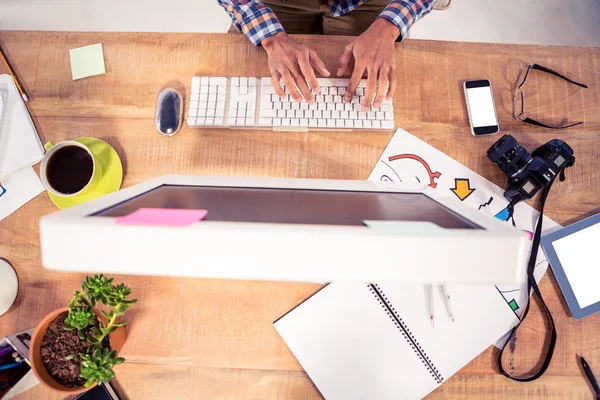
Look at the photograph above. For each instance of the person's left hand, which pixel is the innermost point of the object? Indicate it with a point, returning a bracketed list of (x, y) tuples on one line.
[(373, 53)]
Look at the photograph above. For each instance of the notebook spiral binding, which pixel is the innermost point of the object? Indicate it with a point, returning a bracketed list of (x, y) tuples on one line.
[(406, 333)]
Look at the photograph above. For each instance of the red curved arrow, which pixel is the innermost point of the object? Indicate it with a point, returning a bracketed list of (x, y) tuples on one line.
[(432, 175)]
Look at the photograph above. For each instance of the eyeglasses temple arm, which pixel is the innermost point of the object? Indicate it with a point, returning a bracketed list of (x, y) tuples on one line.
[(550, 71)]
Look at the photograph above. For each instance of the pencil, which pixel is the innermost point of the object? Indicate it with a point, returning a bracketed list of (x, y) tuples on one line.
[(10, 71)]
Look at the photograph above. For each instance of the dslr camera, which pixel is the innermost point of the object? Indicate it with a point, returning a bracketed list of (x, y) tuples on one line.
[(528, 173)]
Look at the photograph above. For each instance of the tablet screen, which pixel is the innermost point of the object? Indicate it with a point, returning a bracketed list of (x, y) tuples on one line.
[(578, 256)]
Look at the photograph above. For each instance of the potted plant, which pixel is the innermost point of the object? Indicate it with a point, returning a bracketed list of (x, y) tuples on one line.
[(75, 347)]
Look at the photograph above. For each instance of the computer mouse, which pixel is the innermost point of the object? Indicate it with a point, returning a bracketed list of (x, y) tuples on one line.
[(168, 117)]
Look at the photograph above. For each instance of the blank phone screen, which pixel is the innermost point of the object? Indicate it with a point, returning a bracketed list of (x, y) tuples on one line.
[(481, 106)]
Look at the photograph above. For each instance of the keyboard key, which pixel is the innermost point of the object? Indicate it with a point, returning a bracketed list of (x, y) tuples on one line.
[(195, 85), (353, 115), (265, 122), (324, 91), (243, 81), (335, 114), (316, 114), (201, 112), (295, 122), (326, 114), (194, 97), (339, 123), (219, 122), (203, 97), (376, 124), (219, 112), (348, 107), (193, 112), (355, 100), (251, 81), (249, 121), (210, 112), (344, 115), (243, 90), (205, 80), (268, 113), (290, 113), (321, 123), (268, 89), (367, 123), (319, 98), (210, 121), (277, 106), (386, 107), (387, 124), (222, 97), (285, 122), (200, 122), (242, 105), (329, 99), (370, 115), (203, 89), (379, 115), (276, 121), (322, 106), (211, 104), (341, 91), (194, 104), (220, 105), (330, 106), (357, 107), (339, 107), (299, 114), (213, 89), (287, 106), (218, 81), (337, 99), (348, 124), (295, 105), (389, 115), (313, 106), (331, 123), (231, 121), (191, 121), (304, 106), (281, 113), (358, 123), (312, 123)]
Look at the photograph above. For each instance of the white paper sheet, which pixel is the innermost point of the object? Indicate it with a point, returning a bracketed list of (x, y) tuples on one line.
[(409, 159), (20, 144), (18, 190), (575, 252)]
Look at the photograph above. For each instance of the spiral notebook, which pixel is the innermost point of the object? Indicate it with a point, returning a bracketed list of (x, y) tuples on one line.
[(375, 341)]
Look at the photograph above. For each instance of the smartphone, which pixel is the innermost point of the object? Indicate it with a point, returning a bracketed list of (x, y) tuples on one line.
[(480, 105), (100, 392)]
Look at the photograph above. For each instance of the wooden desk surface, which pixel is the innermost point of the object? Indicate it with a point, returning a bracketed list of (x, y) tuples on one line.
[(214, 339)]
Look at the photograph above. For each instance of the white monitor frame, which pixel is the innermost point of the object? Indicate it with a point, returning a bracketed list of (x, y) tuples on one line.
[(73, 241)]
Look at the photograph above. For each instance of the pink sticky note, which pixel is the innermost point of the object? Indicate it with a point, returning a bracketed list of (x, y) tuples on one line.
[(162, 217)]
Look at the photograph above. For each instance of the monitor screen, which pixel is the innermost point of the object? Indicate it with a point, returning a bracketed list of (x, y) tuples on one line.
[(294, 206)]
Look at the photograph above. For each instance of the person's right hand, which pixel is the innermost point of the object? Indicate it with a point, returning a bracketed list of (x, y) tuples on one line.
[(293, 63)]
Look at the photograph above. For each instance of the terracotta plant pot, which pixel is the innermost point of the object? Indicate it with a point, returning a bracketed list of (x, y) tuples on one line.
[(117, 340)]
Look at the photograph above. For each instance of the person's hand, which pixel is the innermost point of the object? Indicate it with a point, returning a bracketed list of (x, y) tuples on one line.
[(373, 53), (293, 63)]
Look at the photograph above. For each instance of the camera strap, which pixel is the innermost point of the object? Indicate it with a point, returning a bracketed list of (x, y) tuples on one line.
[(532, 284)]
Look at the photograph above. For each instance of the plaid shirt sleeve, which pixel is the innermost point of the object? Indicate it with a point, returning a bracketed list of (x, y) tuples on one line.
[(404, 13), (252, 18)]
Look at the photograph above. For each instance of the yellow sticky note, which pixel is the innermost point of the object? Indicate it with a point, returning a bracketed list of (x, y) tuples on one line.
[(87, 61)]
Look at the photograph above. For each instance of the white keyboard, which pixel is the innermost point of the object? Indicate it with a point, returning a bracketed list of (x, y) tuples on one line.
[(242, 102)]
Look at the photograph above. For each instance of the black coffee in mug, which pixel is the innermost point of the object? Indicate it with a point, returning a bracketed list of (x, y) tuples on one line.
[(69, 169)]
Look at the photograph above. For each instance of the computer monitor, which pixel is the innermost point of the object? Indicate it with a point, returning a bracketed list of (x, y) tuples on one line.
[(287, 229)]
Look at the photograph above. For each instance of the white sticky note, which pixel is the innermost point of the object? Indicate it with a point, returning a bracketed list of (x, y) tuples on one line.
[(577, 253), (18, 190), (87, 61)]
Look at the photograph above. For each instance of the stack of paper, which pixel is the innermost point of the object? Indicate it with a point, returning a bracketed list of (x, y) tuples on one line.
[(20, 148)]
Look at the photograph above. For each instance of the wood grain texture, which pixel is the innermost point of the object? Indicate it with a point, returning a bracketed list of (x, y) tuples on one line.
[(214, 339)]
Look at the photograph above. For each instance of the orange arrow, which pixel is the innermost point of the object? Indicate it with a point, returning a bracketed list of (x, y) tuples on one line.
[(462, 188)]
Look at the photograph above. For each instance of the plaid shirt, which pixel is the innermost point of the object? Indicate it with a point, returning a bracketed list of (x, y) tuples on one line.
[(258, 22)]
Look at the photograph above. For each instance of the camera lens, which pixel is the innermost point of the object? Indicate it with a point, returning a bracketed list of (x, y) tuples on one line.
[(509, 155)]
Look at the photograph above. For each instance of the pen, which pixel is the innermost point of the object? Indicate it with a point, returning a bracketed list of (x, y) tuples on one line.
[(590, 376), (10, 71), (447, 301), (430, 295), (8, 366)]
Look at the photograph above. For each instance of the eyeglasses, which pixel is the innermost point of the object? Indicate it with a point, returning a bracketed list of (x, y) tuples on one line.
[(518, 108)]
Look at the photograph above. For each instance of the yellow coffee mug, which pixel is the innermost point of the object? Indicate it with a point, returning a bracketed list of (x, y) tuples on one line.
[(69, 169)]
